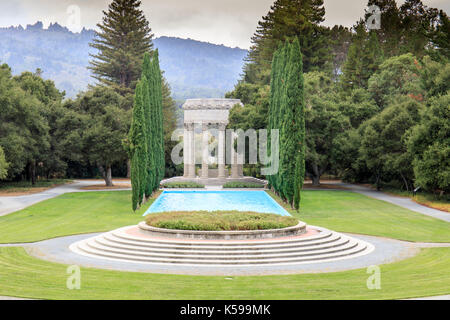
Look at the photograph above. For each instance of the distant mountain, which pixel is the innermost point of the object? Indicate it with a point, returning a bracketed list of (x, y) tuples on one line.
[(194, 69)]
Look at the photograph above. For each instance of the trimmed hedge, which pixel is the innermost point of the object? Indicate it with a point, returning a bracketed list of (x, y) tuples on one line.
[(219, 221), (242, 185), (183, 185)]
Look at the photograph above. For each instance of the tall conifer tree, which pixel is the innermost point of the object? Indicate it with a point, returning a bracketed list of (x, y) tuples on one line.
[(151, 168), (157, 78), (123, 39), (155, 123), (289, 19), (363, 59), (286, 113), (138, 146)]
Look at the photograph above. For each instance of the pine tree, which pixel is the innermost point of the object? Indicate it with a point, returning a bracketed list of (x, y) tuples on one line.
[(123, 39), (391, 31), (289, 19), (363, 59)]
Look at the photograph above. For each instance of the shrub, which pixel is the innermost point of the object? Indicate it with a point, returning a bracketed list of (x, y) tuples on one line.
[(242, 185), (183, 185), (219, 221)]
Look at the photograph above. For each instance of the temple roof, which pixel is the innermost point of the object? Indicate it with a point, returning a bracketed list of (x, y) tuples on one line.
[(212, 104)]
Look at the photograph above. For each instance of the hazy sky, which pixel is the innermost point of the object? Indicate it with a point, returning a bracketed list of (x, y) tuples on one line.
[(228, 22)]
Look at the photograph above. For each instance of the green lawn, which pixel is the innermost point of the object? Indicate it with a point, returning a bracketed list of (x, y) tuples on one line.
[(103, 211), (426, 274), (423, 275), (347, 211), (69, 214)]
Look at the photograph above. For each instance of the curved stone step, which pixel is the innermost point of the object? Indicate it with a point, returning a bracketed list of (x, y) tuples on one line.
[(339, 241), (122, 246), (279, 244), (175, 254), (292, 260)]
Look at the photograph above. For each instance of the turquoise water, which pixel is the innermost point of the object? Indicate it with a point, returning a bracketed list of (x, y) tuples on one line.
[(256, 201)]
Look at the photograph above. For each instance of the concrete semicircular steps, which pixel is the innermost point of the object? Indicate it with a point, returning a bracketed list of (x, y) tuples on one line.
[(120, 245)]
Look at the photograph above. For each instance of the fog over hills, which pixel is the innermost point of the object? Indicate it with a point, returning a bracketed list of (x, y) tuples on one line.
[(194, 69)]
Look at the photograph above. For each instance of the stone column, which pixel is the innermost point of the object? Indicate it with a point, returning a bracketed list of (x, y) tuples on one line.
[(186, 153), (191, 147), (234, 159), (221, 151), (205, 151), (234, 166), (240, 170)]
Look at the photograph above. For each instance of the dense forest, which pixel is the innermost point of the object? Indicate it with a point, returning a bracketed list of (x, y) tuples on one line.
[(193, 69), (377, 102)]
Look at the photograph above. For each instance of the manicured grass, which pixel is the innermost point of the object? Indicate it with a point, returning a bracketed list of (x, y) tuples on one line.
[(69, 214), (355, 213), (103, 211), (183, 185), (423, 275), (219, 221), (242, 185)]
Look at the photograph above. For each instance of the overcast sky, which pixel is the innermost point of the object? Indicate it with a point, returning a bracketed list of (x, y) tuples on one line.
[(228, 22)]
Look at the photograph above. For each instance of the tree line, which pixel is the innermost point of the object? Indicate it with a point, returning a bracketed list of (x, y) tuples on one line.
[(376, 101), (45, 135)]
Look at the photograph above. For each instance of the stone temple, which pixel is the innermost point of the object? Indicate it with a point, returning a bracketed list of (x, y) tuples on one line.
[(205, 122)]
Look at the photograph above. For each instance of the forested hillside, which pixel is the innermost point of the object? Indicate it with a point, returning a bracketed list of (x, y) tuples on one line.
[(192, 68)]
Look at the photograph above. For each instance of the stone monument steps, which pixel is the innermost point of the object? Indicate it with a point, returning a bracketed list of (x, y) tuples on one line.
[(196, 255), (224, 250), (325, 246), (301, 258)]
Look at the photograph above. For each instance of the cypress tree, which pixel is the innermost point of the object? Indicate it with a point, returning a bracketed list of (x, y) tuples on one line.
[(154, 127), (280, 119), (135, 183), (124, 37), (296, 100), (160, 119), (137, 138), (147, 72), (286, 113), (155, 123), (272, 105)]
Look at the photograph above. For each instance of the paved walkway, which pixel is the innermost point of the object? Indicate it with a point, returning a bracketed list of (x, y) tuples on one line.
[(386, 251), (3, 298), (15, 203), (399, 201)]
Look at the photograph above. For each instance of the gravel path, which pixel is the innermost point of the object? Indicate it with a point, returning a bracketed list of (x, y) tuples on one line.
[(399, 201)]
